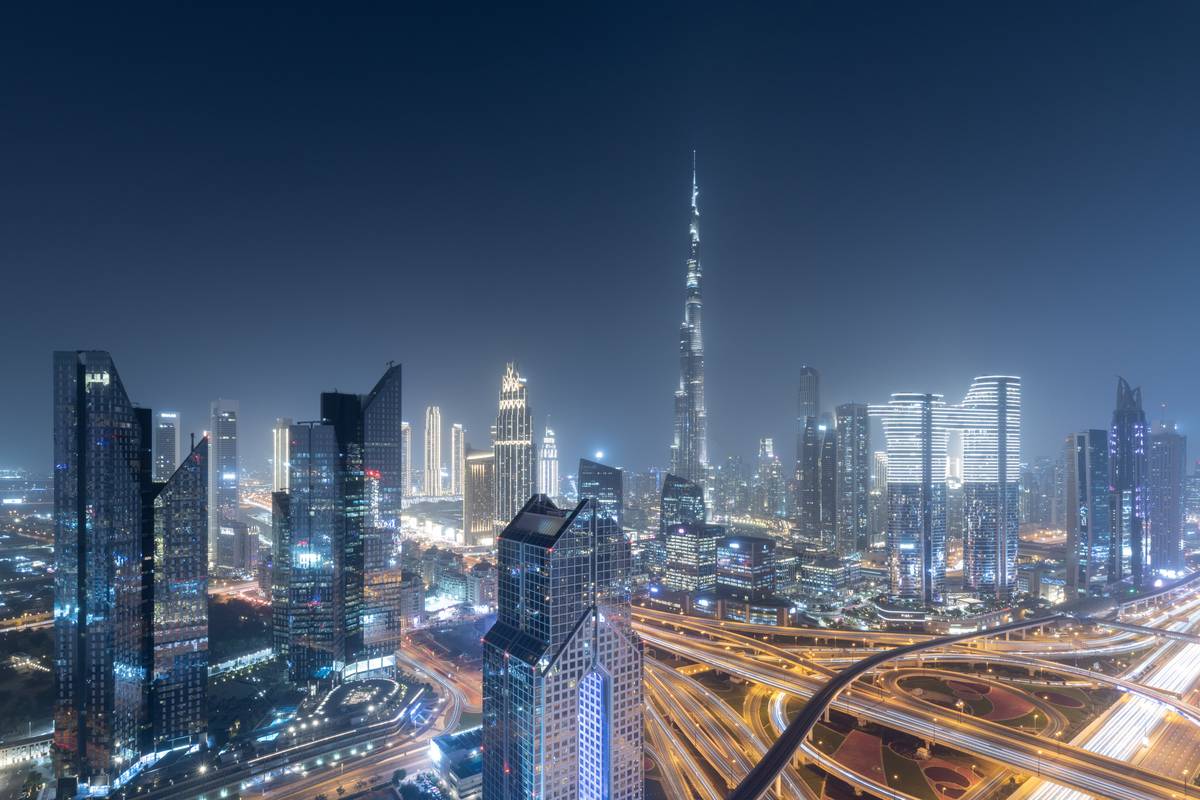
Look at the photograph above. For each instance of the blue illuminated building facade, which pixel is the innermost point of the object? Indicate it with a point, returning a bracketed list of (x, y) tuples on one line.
[(1087, 510), (562, 674), (1129, 556)]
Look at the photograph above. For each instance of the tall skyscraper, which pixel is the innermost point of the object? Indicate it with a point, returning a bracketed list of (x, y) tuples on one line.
[(385, 449), (224, 493), (179, 678), (457, 452), (100, 627), (770, 490), (279, 454), (681, 505), (479, 498), (513, 445), (808, 400), (307, 549), (548, 465), (1088, 520), (692, 557), (689, 448), (827, 431), (879, 495), (562, 667), (432, 480), (853, 438), (130, 581), (603, 484), (1129, 554), (167, 448), (1165, 476), (990, 421), (916, 428), (406, 457)]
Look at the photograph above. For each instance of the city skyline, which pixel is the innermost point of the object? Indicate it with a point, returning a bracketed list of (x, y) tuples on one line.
[(817, 203)]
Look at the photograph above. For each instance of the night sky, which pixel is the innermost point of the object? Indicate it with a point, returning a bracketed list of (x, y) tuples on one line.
[(264, 204)]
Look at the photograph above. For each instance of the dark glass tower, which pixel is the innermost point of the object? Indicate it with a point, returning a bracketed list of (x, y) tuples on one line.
[(1129, 556), (853, 478), (689, 447), (604, 483), (1088, 520), (827, 431), (101, 477), (179, 684), (345, 413), (562, 667), (383, 450), (1165, 483)]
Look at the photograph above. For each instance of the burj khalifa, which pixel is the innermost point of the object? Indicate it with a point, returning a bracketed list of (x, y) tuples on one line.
[(689, 450)]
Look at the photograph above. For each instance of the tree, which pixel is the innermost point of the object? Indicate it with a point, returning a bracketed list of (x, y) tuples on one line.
[(398, 776)]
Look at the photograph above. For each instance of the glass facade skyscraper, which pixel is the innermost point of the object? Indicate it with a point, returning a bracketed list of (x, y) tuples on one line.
[(179, 681), (1086, 461), (431, 483), (1165, 477), (916, 427), (853, 437), (513, 447), (605, 485), (167, 448), (101, 716), (1129, 555), (562, 667), (224, 493), (385, 450), (689, 446), (990, 421)]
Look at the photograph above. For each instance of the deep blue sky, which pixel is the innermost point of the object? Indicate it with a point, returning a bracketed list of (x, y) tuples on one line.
[(262, 204)]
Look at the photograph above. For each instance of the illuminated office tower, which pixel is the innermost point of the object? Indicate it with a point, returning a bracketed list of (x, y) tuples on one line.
[(1086, 461), (406, 457), (770, 491), (1128, 556), (313, 633), (692, 557), (179, 677), (806, 502), (1165, 476), (101, 469), (562, 667), (879, 494), (385, 450), (279, 454), (479, 498), (432, 478), (603, 484), (808, 398), (827, 482), (681, 505), (689, 447), (853, 440), (548, 465), (457, 451), (990, 423), (916, 427), (512, 443), (746, 568), (223, 480), (167, 448)]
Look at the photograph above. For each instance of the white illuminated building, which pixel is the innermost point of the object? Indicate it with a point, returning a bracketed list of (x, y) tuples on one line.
[(548, 465), (224, 493), (406, 457), (458, 446), (280, 449), (432, 479)]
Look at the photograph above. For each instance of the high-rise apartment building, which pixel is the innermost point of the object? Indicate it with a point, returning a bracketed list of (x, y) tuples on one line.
[(827, 482), (458, 446), (1165, 475), (513, 447), (279, 454), (562, 667), (990, 423), (879, 494), (1129, 554), (916, 427), (808, 398), (853, 464), (689, 447), (406, 458), (167, 448), (548, 465), (479, 498), (224, 493), (1088, 520), (130, 582), (432, 479)]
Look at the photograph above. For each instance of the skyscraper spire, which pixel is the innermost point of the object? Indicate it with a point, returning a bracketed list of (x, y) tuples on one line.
[(689, 448)]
